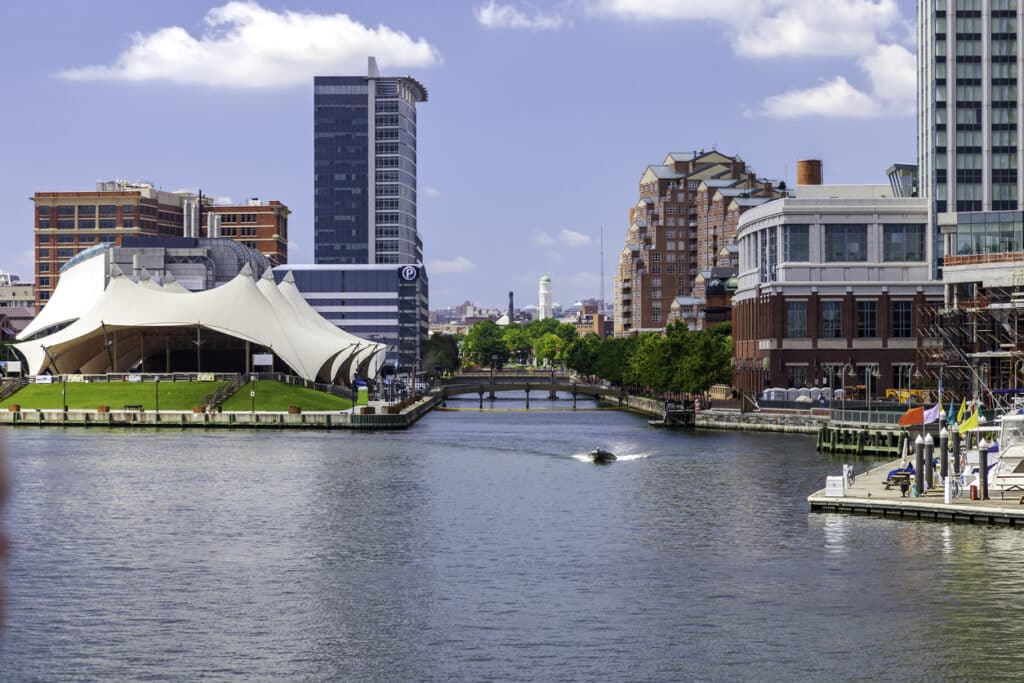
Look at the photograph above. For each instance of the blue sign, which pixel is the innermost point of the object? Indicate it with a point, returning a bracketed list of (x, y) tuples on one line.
[(410, 273)]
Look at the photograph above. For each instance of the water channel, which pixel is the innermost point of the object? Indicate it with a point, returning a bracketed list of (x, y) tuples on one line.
[(481, 546)]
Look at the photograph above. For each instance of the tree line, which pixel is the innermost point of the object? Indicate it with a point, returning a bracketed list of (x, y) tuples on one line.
[(678, 361)]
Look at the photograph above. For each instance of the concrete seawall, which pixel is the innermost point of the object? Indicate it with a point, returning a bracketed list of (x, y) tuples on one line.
[(213, 420), (789, 423)]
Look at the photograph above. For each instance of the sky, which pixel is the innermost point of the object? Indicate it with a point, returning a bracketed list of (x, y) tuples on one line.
[(541, 118)]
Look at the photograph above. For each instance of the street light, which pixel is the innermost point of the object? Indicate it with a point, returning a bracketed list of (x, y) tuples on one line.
[(869, 373), (157, 395), (252, 392), (842, 375), (64, 392)]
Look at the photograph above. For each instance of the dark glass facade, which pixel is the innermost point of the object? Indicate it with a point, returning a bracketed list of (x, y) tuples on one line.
[(385, 303), (365, 170)]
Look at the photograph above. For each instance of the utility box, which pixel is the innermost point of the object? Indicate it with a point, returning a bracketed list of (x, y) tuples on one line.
[(835, 487)]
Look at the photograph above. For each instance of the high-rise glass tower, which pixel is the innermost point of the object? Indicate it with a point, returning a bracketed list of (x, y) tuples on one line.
[(364, 159), (969, 126)]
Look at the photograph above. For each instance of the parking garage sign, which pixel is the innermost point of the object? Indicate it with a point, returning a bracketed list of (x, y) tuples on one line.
[(410, 273)]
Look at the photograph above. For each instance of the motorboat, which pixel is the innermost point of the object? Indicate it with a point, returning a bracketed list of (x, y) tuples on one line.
[(600, 456), (1008, 472)]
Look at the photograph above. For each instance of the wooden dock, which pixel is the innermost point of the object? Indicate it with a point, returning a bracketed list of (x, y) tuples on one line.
[(860, 440), (868, 496)]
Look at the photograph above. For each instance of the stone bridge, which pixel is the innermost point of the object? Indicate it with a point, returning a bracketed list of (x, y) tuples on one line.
[(482, 384)]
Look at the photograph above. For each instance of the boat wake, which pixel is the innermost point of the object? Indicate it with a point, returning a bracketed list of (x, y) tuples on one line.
[(626, 457)]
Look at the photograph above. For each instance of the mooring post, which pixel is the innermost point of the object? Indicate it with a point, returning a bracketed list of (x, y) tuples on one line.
[(943, 454), (919, 463), (983, 469), (956, 450), (929, 465), (481, 397), (527, 396), (574, 396)]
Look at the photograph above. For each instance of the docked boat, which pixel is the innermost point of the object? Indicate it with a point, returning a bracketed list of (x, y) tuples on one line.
[(1008, 472), (601, 456)]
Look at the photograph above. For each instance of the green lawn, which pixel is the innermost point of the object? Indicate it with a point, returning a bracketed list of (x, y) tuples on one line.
[(173, 395), (275, 396)]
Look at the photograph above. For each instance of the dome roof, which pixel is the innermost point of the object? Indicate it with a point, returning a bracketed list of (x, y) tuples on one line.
[(732, 283), (545, 278)]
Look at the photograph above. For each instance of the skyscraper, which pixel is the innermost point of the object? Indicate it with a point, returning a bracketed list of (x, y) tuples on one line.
[(364, 158)]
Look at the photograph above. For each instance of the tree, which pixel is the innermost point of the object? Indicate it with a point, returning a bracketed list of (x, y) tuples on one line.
[(581, 354), (485, 339), (518, 343), (648, 365), (612, 358), (442, 352), (548, 347)]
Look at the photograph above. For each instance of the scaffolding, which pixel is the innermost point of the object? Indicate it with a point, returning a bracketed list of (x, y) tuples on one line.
[(976, 347)]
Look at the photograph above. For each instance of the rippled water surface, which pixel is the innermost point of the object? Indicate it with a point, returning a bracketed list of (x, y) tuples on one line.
[(475, 546)]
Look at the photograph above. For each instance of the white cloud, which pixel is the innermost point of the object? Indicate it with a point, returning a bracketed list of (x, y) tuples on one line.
[(247, 46), (459, 264), (493, 15), (539, 238), (571, 238), (869, 31), (835, 98), (431, 192), (772, 28)]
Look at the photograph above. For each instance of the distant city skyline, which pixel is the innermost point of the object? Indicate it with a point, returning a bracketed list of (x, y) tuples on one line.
[(542, 116)]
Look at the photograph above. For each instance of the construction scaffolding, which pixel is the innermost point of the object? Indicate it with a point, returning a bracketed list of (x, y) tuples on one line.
[(975, 348)]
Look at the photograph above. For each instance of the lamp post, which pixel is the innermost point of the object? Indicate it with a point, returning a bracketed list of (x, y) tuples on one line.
[(252, 392), (157, 395), (842, 374), (64, 392), (870, 373)]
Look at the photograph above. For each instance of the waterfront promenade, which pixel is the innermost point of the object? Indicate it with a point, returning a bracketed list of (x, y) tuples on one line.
[(868, 496)]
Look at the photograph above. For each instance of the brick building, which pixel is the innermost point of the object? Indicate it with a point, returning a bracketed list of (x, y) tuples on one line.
[(832, 286), (684, 220), (68, 222)]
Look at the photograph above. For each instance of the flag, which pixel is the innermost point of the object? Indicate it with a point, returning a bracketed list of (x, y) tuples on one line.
[(950, 418), (932, 414), (970, 423), (963, 409), (914, 416)]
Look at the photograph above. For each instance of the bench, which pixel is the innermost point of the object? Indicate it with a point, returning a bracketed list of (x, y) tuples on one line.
[(133, 406), (1015, 487), (897, 479)]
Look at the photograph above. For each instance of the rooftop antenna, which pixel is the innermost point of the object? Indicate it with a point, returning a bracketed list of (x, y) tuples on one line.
[(601, 296)]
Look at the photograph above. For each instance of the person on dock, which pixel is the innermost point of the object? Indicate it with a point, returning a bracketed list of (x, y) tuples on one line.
[(904, 487)]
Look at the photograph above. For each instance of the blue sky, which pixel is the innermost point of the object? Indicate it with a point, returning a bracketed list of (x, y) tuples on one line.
[(541, 119)]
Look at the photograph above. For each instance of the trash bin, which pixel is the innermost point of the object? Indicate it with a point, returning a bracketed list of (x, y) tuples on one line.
[(974, 492)]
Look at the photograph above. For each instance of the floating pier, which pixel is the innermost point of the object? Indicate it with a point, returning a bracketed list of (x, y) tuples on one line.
[(868, 496)]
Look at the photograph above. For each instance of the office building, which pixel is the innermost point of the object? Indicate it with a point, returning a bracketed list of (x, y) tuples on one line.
[(364, 169), (833, 285), (969, 134), (382, 303), (69, 222)]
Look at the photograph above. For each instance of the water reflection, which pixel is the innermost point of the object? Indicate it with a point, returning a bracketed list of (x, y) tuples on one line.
[(475, 546)]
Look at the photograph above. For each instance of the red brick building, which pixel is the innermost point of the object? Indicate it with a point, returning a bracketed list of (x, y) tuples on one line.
[(685, 217), (68, 222)]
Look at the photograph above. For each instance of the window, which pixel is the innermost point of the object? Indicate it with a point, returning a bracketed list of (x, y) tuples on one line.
[(65, 253), (903, 242), (65, 210), (44, 267), (796, 318), (108, 209), (655, 257), (44, 223), (86, 210), (796, 375), (86, 223), (65, 223), (44, 211), (867, 319), (107, 223), (846, 243), (903, 319), (65, 239), (656, 270), (44, 253), (44, 282), (796, 243), (832, 319)]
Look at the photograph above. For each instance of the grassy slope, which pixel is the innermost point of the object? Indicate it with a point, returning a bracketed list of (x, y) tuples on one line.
[(173, 395), (278, 396)]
